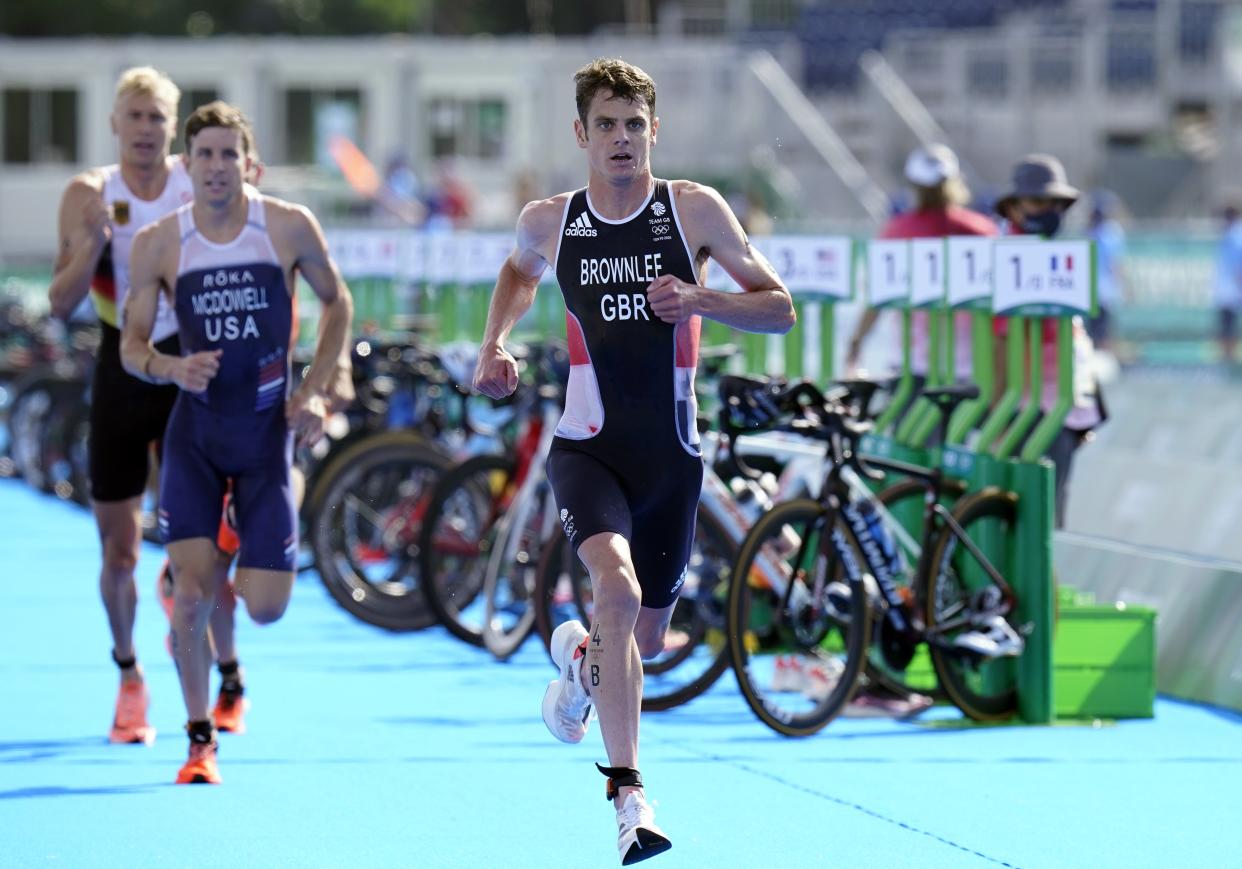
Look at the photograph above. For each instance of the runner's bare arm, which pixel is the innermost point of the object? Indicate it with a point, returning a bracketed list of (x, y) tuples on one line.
[(148, 271), (711, 229), (316, 266), (82, 233), (495, 375), (300, 232)]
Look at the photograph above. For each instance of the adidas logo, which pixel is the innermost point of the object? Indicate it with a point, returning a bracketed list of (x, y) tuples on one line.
[(581, 227)]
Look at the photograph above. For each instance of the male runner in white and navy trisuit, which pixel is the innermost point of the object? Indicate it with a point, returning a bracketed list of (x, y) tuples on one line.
[(101, 211), (227, 263), (629, 252)]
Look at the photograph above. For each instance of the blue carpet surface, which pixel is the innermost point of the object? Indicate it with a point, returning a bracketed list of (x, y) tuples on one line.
[(369, 749)]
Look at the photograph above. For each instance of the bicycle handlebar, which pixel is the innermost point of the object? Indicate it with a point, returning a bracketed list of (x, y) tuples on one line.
[(751, 404)]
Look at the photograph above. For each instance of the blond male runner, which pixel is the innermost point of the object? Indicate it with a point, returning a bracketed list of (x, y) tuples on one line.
[(100, 212), (629, 252)]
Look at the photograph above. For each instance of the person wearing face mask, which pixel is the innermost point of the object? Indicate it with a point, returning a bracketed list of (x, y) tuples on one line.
[(1036, 203)]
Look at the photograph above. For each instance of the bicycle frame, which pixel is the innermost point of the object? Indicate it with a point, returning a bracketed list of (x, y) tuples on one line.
[(851, 491), (801, 475), (531, 473)]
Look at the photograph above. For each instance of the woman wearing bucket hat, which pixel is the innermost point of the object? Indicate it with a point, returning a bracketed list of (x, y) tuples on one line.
[(1038, 198)]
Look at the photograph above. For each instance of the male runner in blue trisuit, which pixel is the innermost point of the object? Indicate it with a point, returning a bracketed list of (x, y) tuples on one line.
[(227, 263)]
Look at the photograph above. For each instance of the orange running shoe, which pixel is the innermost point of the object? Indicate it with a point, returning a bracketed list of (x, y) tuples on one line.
[(230, 709), (200, 768), (129, 724)]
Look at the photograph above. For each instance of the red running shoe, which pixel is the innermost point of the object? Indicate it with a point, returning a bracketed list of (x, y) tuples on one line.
[(129, 724), (200, 768)]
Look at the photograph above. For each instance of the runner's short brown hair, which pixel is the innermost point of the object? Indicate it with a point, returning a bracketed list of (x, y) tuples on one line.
[(220, 114), (612, 74)]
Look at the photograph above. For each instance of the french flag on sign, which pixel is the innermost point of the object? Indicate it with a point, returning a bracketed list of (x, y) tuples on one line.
[(1067, 260)]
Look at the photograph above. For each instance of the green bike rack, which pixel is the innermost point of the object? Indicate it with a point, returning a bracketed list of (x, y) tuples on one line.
[(982, 344), (905, 385), (1027, 417), (940, 372), (994, 423)]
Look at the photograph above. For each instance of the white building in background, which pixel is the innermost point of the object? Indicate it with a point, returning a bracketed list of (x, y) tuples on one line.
[(499, 108), (1141, 97)]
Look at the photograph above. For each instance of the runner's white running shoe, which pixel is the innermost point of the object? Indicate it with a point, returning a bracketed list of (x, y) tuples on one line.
[(638, 837), (567, 708)]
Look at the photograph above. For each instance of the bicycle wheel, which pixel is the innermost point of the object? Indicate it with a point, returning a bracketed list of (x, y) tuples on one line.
[(365, 533), (509, 581), (695, 654), (797, 652), (958, 586), (457, 539)]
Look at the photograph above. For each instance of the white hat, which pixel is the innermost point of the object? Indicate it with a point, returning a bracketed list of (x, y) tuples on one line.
[(931, 165)]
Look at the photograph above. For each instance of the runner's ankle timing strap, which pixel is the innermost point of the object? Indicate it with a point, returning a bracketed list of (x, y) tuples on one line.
[(619, 777), (125, 663), (229, 681), (201, 731)]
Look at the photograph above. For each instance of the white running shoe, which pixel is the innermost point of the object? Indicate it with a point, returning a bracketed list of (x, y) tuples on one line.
[(567, 708), (638, 837)]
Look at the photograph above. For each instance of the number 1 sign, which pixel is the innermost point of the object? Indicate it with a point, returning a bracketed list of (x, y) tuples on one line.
[(888, 273), (1043, 278)]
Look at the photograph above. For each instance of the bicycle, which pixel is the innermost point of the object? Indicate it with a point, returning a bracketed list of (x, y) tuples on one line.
[(815, 589), (732, 498), (490, 517)]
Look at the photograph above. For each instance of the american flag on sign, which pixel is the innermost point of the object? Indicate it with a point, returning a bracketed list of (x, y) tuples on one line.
[(271, 379)]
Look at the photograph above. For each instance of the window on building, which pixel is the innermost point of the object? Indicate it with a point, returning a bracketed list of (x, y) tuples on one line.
[(987, 75), (40, 126), (1130, 63), (1052, 72), (314, 115), (467, 127), (1198, 22), (191, 99)]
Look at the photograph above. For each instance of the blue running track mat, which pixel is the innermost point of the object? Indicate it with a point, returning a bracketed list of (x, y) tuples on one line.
[(370, 749)]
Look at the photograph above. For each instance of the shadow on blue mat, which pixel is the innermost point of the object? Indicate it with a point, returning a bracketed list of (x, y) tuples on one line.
[(34, 793)]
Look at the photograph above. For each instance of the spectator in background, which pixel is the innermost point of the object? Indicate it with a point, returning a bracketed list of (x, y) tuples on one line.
[(1036, 202), (1227, 291), (1110, 249), (939, 210), (399, 195), (450, 205)]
